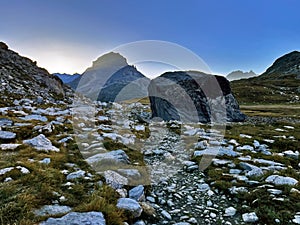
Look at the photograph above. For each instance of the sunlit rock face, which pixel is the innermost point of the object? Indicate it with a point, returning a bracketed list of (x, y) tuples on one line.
[(193, 97)]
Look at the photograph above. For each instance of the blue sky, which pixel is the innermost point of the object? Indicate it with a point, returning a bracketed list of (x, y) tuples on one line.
[(67, 35)]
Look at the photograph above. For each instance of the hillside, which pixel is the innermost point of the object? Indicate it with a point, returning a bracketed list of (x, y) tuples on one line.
[(279, 84), (20, 77)]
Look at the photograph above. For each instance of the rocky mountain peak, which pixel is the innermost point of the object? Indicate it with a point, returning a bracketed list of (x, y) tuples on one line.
[(110, 59), (288, 64)]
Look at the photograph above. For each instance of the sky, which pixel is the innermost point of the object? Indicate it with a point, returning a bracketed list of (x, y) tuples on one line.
[(67, 35)]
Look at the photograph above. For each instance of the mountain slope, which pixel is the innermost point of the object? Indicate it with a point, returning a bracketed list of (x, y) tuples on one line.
[(111, 78), (22, 78), (279, 84)]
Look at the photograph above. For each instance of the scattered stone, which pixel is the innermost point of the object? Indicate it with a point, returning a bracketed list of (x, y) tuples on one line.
[(9, 146), (131, 206), (113, 157), (76, 175), (47, 210), (250, 217), (114, 179), (87, 218), (137, 193), (291, 154), (7, 135), (166, 215), (230, 211), (41, 143), (34, 117), (6, 170), (253, 171), (45, 161), (280, 180), (4, 122), (296, 219)]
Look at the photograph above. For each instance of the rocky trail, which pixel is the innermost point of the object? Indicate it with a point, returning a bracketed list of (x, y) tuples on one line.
[(154, 167)]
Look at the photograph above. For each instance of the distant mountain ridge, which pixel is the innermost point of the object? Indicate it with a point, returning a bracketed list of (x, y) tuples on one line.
[(110, 78), (238, 74), (66, 78)]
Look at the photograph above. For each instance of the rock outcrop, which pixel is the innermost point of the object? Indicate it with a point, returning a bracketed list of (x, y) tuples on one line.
[(111, 79), (193, 96)]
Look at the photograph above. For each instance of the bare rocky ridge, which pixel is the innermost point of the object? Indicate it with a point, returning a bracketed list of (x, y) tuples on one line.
[(284, 66), (19, 76)]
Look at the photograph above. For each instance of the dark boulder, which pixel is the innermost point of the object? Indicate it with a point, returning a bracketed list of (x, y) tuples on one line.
[(193, 97)]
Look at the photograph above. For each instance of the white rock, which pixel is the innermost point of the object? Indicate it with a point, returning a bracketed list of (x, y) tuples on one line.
[(213, 215), (114, 179), (52, 210), (34, 117), (41, 143), (167, 215), (86, 218), (23, 169), (139, 128), (6, 170), (296, 219), (137, 193), (7, 135), (117, 156), (250, 217), (131, 206), (76, 175), (45, 161), (9, 146), (245, 136), (280, 180), (230, 211)]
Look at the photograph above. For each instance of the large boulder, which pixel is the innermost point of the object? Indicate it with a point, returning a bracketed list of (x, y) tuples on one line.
[(85, 218), (193, 96)]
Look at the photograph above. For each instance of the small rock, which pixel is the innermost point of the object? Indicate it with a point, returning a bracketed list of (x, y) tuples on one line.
[(167, 215), (87, 218), (41, 143), (296, 219), (230, 211), (7, 135), (131, 206), (280, 180), (137, 193), (52, 210), (35, 117), (76, 175), (250, 217), (9, 146), (114, 179)]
